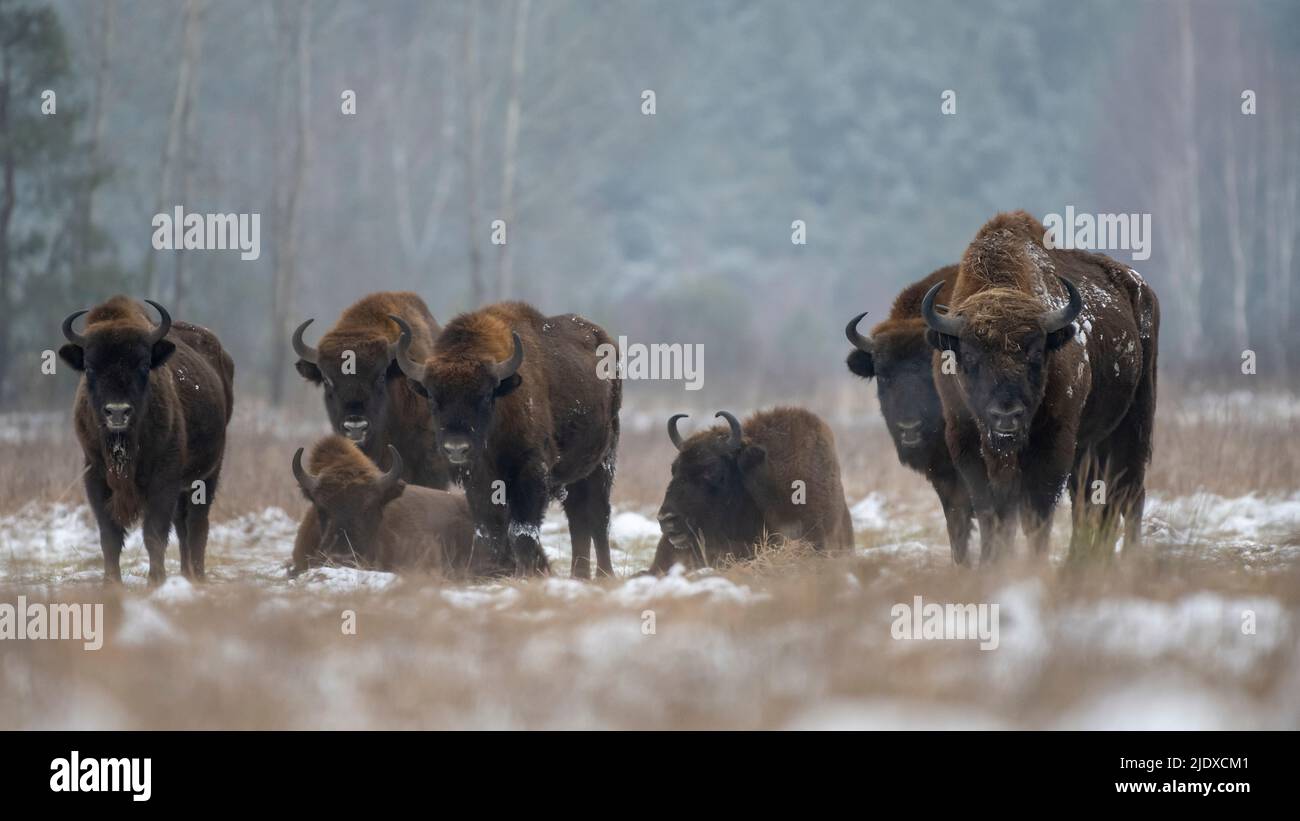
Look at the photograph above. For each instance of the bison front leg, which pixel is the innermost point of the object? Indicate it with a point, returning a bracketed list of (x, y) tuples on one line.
[(958, 514), (111, 534), (527, 504), (158, 517)]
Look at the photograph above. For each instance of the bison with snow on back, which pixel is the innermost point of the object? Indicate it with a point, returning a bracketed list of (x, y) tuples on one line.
[(524, 416), (1055, 377), (897, 355), (367, 397), (363, 518), (150, 413), (775, 475)]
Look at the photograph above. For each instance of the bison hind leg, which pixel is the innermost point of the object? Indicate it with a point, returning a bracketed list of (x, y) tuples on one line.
[(587, 507)]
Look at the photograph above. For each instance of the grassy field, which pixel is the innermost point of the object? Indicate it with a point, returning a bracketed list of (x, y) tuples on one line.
[(1155, 638)]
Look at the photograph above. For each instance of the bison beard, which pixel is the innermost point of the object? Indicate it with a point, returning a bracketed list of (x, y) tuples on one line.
[(518, 408), (897, 355), (733, 485), (1056, 379), (373, 403), (150, 412)]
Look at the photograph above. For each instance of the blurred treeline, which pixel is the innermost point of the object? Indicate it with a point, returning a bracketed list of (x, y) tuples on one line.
[(672, 227)]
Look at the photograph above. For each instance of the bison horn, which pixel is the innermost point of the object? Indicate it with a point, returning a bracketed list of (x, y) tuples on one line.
[(857, 340), (949, 325), (400, 351), (734, 423), (1056, 320), (164, 323), (673, 435), (306, 481), (305, 352), (71, 335), (394, 473), (505, 369)]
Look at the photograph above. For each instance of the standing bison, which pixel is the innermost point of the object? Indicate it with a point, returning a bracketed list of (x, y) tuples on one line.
[(897, 355), (776, 474), (523, 416), (361, 517), (367, 397), (1055, 375), (150, 412)]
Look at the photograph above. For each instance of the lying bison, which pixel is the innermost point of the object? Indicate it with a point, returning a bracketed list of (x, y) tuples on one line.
[(775, 475), (363, 518), (367, 397), (1055, 376), (150, 413), (523, 416), (897, 355)]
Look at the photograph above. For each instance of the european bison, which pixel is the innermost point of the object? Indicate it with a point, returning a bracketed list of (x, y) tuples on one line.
[(776, 474), (376, 521), (1055, 360), (151, 412), (367, 397), (898, 356), (523, 416)]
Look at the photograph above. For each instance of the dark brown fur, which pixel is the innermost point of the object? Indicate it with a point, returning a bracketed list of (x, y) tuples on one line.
[(417, 530), (1091, 401), (721, 502), (548, 431), (397, 415), (900, 361), (177, 438)]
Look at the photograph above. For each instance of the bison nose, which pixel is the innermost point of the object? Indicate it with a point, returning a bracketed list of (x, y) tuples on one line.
[(457, 450), (117, 415), (355, 428), (1007, 416)]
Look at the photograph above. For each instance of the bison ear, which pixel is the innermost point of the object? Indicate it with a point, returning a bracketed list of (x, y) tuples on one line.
[(508, 384), (162, 351), (751, 458), (308, 371), (74, 356), (1056, 339), (861, 363), (942, 342), (392, 492)]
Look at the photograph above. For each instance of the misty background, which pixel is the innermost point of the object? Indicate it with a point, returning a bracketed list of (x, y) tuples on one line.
[(671, 227)]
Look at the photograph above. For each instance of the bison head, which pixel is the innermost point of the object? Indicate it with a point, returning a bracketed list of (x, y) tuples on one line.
[(462, 393), (117, 359), (707, 508), (900, 361), (1001, 338), (350, 506), (357, 402)]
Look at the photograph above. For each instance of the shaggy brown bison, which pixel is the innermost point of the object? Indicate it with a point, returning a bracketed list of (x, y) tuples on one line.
[(897, 355), (777, 474), (363, 518), (1055, 375), (367, 397), (150, 413), (523, 416)]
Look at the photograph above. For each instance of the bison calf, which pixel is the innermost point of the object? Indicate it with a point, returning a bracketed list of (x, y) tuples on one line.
[(150, 413), (363, 518), (898, 356), (776, 474)]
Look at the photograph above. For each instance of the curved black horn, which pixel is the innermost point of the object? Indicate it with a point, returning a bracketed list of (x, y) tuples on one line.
[(673, 435), (936, 321), (734, 423), (305, 352), (857, 340), (505, 369), (399, 351), (71, 335), (394, 473), (306, 481), (164, 324), (1058, 319)]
